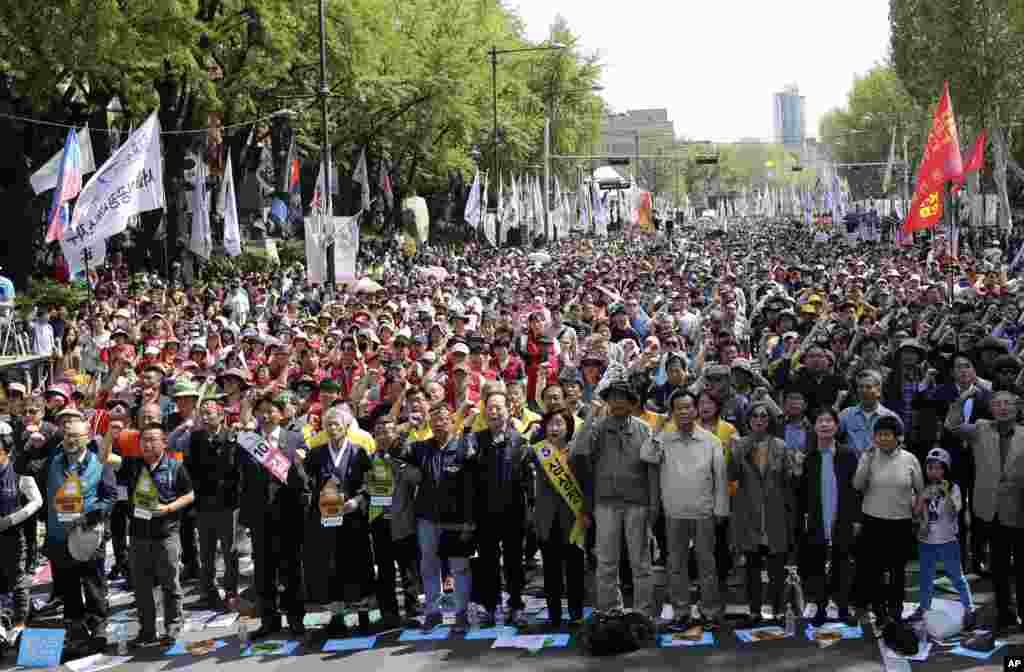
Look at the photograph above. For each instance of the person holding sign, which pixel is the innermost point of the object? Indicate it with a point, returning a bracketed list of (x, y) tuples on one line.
[(161, 488), (274, 498), (339, 558), (81, 491), (19, 500)]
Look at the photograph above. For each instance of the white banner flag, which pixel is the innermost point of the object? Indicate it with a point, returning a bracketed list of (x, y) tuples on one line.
[(346, 247), (130, 182), (229, 211), (202, 241), (316, 257), (46, 177)]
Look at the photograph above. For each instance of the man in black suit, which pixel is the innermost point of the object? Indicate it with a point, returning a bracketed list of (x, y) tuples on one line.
[(273, 509), (502, 479), (212, 460)]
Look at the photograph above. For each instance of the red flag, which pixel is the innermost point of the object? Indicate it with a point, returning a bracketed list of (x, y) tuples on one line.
[(941, 163), (976, 161)]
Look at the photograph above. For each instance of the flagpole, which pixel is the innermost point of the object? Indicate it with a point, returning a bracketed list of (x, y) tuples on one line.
[(325, 141)]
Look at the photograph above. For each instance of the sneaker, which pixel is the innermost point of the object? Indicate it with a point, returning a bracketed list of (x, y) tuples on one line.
[(432, 621), (461, 623)]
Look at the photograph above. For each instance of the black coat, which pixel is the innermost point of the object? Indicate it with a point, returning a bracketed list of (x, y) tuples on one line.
[(338, 560), (266, 500), (213, 463), (848, 505), (494, 495)]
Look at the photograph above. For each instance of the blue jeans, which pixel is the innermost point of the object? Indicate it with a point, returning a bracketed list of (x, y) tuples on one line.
[(949, 554), (428, 534)]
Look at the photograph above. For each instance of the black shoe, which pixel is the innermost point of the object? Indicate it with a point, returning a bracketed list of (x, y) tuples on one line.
[(820, 618), (297, 628), (1007, 620), (268, 626), (431, 621), (336, 628), (753, 621), (848, 617), (144, 639)]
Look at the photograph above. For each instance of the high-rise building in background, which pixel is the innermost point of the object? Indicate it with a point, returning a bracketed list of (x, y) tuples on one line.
[(790, 119), (644, 132)]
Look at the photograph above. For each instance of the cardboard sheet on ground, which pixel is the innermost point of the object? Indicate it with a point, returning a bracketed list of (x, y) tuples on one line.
[(833, 632), (199, 648), (41, 647), (224, 620), (271, 647), (532, 642), (499, 632), (680, 639), (349, 644), (420, 636), (959, 650), (96, 663), (765, 634)]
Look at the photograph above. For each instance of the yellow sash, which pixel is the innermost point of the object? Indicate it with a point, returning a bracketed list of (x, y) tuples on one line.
[(561, 478), (381, 487)]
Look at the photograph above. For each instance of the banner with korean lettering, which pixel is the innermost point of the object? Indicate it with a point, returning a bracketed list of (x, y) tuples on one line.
[(941, 162), (130, 182), (346, 249), (270, 458)]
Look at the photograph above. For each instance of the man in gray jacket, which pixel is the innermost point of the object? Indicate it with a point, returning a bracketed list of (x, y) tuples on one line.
[(626, 493), (695, 495)]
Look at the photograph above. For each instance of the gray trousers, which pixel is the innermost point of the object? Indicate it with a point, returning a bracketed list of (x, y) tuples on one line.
[(680, 532), (217, 526), (612, 521), (156, 562)]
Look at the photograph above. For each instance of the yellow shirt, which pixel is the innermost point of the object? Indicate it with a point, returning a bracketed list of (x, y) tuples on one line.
[(725, 431)]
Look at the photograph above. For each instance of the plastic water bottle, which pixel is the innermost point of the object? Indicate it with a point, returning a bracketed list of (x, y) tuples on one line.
[(243, 634), (121, 638), (795, 591), (790, 620)]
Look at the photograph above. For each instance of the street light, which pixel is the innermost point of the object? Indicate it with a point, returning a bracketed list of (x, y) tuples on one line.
[(495, 52)]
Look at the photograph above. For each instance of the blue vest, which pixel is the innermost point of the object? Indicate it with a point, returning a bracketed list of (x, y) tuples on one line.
[(89, 471), (9, 494)]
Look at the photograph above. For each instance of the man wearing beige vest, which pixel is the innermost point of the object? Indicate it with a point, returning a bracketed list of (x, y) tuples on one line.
[(998, 447)]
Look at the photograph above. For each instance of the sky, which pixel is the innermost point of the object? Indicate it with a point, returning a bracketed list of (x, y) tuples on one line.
[(715, 64)]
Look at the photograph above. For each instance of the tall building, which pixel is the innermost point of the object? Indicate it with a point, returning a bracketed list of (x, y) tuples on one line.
[(645, 132), (619, 131), (790, 120)]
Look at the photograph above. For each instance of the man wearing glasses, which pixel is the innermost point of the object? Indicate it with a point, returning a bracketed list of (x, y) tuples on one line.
[(80, 491)]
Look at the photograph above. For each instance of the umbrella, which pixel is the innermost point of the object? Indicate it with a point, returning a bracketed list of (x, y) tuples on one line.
[(540, 258), (368, 285)]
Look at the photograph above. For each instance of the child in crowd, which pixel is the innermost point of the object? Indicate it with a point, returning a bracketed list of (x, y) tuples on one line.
[(937, 509)]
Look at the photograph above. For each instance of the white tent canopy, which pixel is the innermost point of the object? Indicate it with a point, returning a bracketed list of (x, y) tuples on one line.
[(607, 174)]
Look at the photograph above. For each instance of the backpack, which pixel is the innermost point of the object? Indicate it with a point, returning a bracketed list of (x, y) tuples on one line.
[(612, 633)]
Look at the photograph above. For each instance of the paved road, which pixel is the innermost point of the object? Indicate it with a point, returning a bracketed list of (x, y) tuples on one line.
[(389, 654)]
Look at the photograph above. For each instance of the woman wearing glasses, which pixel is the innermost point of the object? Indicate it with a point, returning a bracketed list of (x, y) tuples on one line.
[(765, 474)]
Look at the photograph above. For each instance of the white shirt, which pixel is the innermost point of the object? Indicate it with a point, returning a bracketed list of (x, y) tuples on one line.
[(337, 454), (274, 438)]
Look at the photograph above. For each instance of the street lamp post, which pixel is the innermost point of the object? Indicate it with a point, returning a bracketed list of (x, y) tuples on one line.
[(494, 53)]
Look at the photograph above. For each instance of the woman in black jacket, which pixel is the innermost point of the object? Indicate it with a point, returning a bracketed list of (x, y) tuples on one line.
[(828, 515)]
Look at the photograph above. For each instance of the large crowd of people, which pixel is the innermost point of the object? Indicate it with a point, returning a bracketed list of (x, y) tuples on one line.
[(750, 401)]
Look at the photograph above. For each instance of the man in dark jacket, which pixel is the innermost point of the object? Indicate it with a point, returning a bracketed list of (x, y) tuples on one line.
[(271, 509), (444, 513), (502, 479), (212, 461), (828, 519), (161, 489)]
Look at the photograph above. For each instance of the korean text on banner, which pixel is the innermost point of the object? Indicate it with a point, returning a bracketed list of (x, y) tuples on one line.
[(128, 183), (271, 459), (346, 247)]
